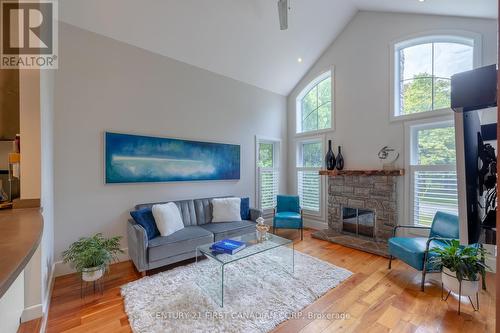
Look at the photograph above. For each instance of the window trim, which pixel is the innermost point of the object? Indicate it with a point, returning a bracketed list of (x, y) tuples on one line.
[(276, 166), (410, 130), (322, 181), (434, 36), (303, 92)]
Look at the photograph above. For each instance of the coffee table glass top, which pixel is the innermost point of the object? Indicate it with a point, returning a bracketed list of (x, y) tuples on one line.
[(252, 247)]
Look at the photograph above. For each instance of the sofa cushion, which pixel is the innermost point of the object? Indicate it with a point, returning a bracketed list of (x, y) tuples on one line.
[(229, 229), (168, 218), (186, 208), (245, 208), (226, 210), (203, 209), (182, 241), (144, 217)]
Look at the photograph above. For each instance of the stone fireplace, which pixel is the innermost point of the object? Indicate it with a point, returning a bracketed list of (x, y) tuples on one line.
[(362, 209)]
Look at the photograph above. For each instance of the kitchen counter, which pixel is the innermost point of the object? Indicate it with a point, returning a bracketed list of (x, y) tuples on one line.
[(20, 234)]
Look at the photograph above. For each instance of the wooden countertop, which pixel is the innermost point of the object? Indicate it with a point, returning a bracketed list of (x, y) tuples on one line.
[(20, 233)]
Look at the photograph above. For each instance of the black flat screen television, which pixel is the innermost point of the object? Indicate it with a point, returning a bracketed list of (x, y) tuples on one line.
[(475, 89), (472, 91)]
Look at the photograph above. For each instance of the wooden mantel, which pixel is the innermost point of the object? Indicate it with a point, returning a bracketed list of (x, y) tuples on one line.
[(333, 173)]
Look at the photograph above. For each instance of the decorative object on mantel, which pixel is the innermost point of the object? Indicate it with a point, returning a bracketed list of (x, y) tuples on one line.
[(333, 173), (262, 229), (330, 157), (91, 257), (340, 160), (462, 267), (384, 153)]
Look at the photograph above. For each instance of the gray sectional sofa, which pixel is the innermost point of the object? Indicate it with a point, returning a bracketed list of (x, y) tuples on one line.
[(181, 245)]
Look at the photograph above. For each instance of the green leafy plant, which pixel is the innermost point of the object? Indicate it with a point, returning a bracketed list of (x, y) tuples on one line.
[(95, 251), (466, 261)]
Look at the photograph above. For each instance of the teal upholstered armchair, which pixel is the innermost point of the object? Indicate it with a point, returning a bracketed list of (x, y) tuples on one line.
[(415, 250), (288, 214)]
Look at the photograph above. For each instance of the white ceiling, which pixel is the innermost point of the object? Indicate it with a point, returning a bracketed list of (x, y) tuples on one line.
[(241, 39)]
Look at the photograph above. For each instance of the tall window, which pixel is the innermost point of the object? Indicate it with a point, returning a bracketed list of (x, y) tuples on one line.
[(310, 160), (314, 105), (432, 171), (423, 70), (267, 173)]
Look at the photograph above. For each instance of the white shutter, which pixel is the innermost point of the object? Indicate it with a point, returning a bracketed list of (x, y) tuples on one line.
[(268, 187), (434, 189), (309, 189)]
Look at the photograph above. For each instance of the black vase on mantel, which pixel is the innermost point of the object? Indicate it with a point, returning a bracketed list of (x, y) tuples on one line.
[(330, 157), (340, 160)]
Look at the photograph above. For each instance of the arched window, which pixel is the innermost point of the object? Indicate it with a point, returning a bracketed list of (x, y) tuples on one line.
[(423, 68), (314, 105)]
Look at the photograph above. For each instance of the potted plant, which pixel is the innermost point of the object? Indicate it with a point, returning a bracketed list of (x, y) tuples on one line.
[(461, 265), (92, 255)]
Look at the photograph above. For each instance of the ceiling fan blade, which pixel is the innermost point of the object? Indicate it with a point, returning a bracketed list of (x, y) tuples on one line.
[(283, 14)]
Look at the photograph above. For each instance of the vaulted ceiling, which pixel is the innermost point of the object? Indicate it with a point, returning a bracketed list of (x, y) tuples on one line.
[(241, 39)]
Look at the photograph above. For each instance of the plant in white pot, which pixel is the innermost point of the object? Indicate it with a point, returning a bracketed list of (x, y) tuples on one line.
[(462, 267), (92, 255)]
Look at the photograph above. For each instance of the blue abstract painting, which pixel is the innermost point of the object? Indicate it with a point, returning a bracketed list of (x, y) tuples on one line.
[(139, 159)]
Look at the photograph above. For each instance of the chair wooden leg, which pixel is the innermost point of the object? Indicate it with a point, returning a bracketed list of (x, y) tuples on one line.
[(301, 233), (390, 261)]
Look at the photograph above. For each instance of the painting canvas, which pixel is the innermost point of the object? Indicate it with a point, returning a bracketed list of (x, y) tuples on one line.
[(138, 159)]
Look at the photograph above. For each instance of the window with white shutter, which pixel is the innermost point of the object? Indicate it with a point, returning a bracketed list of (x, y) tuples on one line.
[(267, 174), (423, 68), (433, 176), (309, 162)]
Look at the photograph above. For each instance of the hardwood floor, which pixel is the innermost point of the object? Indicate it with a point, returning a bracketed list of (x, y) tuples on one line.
[(374, 299)]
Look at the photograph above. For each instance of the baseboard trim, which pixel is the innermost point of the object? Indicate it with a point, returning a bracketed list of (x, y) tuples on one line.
[(46, 307), (65, 269), (32, 312), (313, 224)]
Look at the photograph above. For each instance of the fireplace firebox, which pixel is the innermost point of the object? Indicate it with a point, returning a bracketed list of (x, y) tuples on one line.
[(360, 222)]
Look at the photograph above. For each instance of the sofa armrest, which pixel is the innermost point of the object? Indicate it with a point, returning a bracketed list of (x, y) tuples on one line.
[(137, 245), (255, 214)]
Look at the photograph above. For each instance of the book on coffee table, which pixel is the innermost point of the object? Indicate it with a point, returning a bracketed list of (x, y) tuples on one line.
[(228, 246)]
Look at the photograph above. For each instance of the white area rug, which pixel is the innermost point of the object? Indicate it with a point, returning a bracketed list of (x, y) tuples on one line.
[(257, 298)]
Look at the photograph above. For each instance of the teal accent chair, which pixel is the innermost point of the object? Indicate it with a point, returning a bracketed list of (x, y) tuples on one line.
[(415, 250), (288, 214)]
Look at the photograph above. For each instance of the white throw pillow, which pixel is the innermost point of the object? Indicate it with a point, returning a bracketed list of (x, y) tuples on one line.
[(168, 218), (226, 210)]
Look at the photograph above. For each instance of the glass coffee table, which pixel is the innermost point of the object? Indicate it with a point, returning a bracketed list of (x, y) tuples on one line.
[(212, 277)]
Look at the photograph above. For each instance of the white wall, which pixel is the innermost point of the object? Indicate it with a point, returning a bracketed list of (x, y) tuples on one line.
[(360, 57), (103, 84), (29, 91), (38, 273), (47, 182)]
